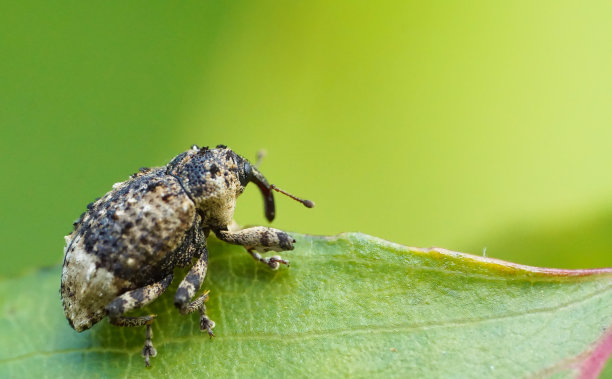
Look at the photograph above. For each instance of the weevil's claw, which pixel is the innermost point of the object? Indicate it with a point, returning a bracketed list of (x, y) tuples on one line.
[(148, 352), (275, 261), (207, 324)]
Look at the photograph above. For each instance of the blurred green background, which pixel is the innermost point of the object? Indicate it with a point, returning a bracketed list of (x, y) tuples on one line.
[(464, 125)]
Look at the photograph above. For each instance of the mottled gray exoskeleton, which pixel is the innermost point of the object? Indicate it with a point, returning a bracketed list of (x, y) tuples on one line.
[(123, 249)]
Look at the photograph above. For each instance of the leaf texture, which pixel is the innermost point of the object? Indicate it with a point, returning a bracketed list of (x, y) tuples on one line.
[(349, 305)]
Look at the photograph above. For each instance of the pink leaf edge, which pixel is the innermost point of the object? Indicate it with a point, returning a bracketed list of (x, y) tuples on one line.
[(595, 360)]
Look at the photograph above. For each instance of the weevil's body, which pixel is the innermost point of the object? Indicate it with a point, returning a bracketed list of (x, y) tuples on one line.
[(123, 250)]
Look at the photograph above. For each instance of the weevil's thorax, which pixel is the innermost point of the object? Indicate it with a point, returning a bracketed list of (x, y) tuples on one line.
[(211, 177)]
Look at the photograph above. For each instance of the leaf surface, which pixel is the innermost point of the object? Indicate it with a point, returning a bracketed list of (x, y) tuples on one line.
[(348, 305)]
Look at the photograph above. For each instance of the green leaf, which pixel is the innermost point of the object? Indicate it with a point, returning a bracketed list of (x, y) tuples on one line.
[(348, 305)]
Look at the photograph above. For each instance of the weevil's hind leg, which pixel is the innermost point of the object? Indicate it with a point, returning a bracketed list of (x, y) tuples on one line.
[(148, 351), (188, 288), (260, 239), (135, 299)]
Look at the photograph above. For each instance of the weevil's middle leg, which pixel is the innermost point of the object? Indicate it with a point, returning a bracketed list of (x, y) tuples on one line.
[(187, 289), (260, 239), (135, 299)]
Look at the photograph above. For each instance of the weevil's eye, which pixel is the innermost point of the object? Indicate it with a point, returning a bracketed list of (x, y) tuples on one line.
[(245, 173)]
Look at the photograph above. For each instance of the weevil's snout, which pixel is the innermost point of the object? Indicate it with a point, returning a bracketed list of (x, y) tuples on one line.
[(266, 192), (249, 173)]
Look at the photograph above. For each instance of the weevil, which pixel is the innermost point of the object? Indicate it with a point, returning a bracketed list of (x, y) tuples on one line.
[(123, 250)]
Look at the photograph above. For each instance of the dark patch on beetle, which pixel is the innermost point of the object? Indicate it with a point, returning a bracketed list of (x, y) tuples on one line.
[(193, 279), (153, 186), (167, 281), (116, 307), (284, 240), (138, 295), (265, 239), (78, 220), (181, 296), (176, 161), (214, 170)]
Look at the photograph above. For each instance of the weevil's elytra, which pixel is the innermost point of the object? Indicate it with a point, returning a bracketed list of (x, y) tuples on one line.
[(124, 248)]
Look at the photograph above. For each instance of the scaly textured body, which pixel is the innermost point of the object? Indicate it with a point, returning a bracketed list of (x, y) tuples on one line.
[(124, 248)]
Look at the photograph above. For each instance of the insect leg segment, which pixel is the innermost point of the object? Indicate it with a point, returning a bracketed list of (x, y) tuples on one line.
[(188, 288), (136, 299), (260, 239), (274, 261), (148, 350)]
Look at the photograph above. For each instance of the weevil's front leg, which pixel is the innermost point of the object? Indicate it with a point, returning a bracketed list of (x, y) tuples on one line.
[(187, 289), (135, 299), (260, 239), (274, 261)]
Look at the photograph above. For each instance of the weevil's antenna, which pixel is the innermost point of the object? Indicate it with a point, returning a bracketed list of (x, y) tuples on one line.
[(261, 154), (307, 203)]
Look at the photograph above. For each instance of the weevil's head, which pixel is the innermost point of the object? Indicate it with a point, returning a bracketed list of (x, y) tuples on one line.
[(214, 178)]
